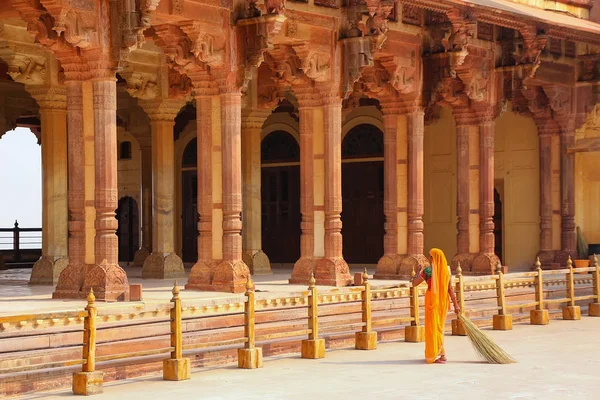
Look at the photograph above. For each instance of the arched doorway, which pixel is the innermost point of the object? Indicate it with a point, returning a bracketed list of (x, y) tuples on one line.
[(189, 199), (280, 197), (362, 194), (128, 231)]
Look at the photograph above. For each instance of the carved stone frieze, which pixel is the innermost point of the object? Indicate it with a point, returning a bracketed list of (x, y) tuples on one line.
[(28, 69), (141, 85), (317, 66)]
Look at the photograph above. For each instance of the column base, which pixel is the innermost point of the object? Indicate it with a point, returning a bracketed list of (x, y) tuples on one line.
[(176, 369), (414, 334), (594, 310), (365, 341), (539, 317), (313, 348), (458, 329), (250, 358), (465, 260), (562, 256), (227, 276), (484, 264), (333, 272), (109, 282), (303, 269), (88, 383), (158, 266), (546, 259), (502, 322), (47, 270), (140, 256), (258, 263), (400, 266), (571, 313)]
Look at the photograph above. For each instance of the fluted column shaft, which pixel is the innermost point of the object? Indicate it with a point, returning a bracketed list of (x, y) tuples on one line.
[(416, 129), (486, 176), (463, 190), (390, 190)]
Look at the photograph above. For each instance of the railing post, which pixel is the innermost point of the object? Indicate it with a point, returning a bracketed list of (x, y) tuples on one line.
[(502, 321), (89, 381), (457, 326), (250, 356), (539, 316), (176, 368), (415, 333), (594, 307), (571, 311), (367, 339), (313, 347), (17, 242)]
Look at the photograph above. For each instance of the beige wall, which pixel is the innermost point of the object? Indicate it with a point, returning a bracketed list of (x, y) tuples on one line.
[(517, 180), (440, 184), (129, 171), (587, 182)]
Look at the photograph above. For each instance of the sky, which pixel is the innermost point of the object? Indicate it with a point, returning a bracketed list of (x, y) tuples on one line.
[(20, 179)]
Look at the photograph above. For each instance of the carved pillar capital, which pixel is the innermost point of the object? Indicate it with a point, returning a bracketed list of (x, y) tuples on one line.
[(50, 98), (162, 110), (254, 118)]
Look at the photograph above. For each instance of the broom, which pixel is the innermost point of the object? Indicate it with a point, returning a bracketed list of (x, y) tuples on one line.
[(483, 345)]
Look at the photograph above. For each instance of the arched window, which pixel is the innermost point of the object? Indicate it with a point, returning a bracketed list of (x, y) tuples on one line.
[(125, 151), (363, 141), (279, 146)]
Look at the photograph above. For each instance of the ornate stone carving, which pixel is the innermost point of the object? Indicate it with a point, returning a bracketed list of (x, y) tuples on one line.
[(412, 15), (180, 86), (207, 43), (559, 98), (141, 85), (29, 70), (317, 66), (275, 6)]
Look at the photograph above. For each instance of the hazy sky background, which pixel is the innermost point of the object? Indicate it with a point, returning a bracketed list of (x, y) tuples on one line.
[(20, 179)]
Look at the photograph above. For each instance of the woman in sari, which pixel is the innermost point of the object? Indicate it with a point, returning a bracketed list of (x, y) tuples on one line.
[(439, 288)]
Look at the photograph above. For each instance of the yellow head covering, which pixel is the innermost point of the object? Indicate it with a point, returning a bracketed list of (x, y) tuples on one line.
[(440, 278)]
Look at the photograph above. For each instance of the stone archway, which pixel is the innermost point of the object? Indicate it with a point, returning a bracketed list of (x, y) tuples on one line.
[(280, 196), (362, 194)]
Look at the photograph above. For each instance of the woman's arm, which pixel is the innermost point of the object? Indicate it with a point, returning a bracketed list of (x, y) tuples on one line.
[(418, 278), (453, 297)]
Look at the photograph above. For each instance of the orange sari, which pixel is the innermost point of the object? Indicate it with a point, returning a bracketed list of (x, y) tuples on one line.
[(436, 306)]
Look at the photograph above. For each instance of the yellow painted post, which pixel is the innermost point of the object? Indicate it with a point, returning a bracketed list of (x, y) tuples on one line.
[(457, 327), (89, 381), (502, 321), (367, 339), (176, 368), (539, 316), (414, 333), (313, 347), (594, 308), (571, 311), (250, 356)]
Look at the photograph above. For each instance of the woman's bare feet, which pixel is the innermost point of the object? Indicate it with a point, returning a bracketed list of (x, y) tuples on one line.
[(441, 360)]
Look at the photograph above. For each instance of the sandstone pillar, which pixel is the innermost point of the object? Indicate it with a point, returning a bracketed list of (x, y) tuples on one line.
[(547, 128), (163, 263), (232, 273), (467, 177), (486, 261), (567, 193), (253, 256), (146, 246), (106, 277), (387, 265), (310, 121), (80, 251), (332, 269), (202, 272), (53, 114)]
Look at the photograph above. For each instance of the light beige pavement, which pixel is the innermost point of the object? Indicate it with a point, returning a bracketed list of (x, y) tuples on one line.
[(558, 361)]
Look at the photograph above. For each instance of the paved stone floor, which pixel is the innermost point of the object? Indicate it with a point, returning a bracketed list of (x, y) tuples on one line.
[(557, 361)]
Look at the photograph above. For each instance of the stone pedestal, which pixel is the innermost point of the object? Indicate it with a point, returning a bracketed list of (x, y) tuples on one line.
[(177, 369), (313, 348), (163, 263), (502, 322), (53, 110), (414, 334), (572, 313), (250, 358), (88, 383), (458, 329), (365, 340), (539, 317), (594, 310)]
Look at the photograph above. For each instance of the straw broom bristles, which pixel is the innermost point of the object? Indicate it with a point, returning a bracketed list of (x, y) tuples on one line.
[(483, 345)]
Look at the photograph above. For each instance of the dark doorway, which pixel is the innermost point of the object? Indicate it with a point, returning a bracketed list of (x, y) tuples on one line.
[(189, 206), (280, 197), (362, 195), (128, 231), (497, 224)]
